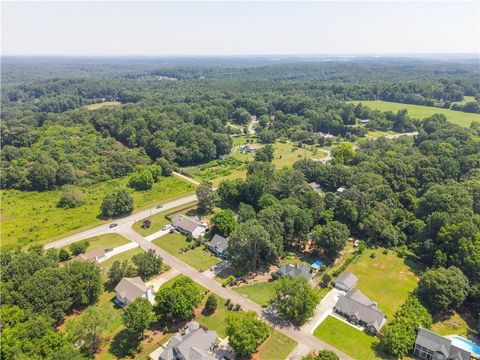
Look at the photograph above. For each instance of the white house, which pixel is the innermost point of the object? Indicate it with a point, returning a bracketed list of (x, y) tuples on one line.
[(185, 225)]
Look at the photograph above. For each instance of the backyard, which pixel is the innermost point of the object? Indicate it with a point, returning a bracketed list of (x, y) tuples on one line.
[(32, 217), (199, 258)]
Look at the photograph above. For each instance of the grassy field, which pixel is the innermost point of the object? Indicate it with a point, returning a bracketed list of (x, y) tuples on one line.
[(277, 346), (127, 255), (421, 112), (386, 279), (261, 292), (30, 217), (106, 241), (198, 258), (458, 323), (158, 221), (348, 339), (105, 104)]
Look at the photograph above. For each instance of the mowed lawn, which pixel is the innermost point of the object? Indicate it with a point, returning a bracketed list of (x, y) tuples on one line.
[(386, 279), (199, 258), (348, 339), (30, 217), (106, 241), (277, 346), (127, 255), (261, 292), (421, 112)]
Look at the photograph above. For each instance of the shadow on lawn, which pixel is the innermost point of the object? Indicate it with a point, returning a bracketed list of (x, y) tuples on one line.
[(124, 344)]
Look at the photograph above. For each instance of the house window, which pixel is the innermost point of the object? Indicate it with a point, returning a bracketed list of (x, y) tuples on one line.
[(423, 353)]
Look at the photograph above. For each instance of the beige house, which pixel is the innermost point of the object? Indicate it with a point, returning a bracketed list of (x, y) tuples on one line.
[(130, 289)]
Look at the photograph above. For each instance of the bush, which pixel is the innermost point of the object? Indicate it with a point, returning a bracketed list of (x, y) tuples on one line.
[(79, 247), (71, 197), (117, 203), (326, 278), (63, 255), (210, 304), (228, 280), (237, 307)]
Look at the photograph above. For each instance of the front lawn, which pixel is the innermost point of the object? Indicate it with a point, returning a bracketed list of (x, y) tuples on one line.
[(277, 346), (215, 321), (199, 258), (261, 292), (32, 217), (348, 339), (106, 241), (386, 279), (127, 255)]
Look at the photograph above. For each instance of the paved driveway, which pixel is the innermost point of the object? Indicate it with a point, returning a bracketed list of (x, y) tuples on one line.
[(217, 269), (161, 279), (119, 250)]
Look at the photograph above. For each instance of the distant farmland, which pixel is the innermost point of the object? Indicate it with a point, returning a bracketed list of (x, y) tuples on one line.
[(421, 112)]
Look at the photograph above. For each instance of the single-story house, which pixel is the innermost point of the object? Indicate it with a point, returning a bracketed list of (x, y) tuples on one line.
[(129, 289), (345, 281), (315, 187), (96, 255), (218, 245), (364, 121), (431, 346), (359, 309), (249, 148), (295, 270), (188, 226), (323, 135), (340, 190), (195, 343)]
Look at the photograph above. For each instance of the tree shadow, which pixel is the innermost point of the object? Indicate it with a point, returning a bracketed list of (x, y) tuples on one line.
[(124, 344), (381, 352)]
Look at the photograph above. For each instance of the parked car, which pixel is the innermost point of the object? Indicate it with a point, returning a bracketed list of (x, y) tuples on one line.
[(108, 250), (167, 227), (112, 225)]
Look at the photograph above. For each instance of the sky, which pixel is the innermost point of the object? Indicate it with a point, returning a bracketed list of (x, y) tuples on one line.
[(239, 28)]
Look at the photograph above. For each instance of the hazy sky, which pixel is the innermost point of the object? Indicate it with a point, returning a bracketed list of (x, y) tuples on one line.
[(232, 28)]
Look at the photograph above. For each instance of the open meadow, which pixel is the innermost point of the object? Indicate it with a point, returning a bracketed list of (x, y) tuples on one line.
[(32, 217), (420, 112)]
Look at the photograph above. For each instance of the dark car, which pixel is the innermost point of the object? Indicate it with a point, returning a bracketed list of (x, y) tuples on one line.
[(159, 206), (113, 225), (108, 250)]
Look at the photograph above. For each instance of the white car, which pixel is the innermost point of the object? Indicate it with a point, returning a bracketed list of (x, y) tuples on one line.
[(167, 227)]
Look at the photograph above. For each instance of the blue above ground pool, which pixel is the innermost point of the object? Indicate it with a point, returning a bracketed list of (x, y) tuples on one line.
[(465, 344), (316, 265)]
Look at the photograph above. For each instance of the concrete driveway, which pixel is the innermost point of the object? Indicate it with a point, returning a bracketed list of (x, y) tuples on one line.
[(161, 279), (119, 250), (217, 269), (323, 309)]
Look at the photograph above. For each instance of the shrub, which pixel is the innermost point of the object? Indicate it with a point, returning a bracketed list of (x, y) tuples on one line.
[(210, 304)]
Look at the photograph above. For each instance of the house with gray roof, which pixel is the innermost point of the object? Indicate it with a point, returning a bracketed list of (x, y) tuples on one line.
[(295, 271), (129, 289), (188, 226), (431, 346), (345, 281), (359, 309), (195, 343), (218, 245)]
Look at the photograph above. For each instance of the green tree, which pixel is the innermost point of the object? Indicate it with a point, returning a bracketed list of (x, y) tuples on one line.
[(65, 174), (118, 271), (246, 212), (167, 168), (245, 332), (331, 237), (116, 203), (265, 154), (87, 330), (267, 200), (138, 316), (225, 222), (49, 292), (141, 179), (250, 246), (322, 355), (295, 299), (343, 153), (178, 302), (71, 197), (79, 247), (228, 191), (443, 289), (206, 197), (42, 176), (63, 255), (210, 304), (86, 282), (148, 263)]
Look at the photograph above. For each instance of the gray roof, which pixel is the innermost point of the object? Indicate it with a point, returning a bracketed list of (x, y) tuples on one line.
[(192, 345), (347, 279), (131, 288), (435, 342), (370, 314), (295, 270), (185, 223), (219, 243), (92, 255)]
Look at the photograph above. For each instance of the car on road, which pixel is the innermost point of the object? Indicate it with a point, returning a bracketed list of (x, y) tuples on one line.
[(159, 206), (167, 227), (112, 225), (108, 250)]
